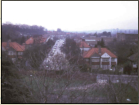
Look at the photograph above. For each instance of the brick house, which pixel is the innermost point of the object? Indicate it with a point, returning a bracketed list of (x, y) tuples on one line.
[(100, 58), (13, 49)]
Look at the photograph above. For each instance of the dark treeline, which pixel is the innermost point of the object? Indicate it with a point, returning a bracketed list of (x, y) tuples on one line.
[(19, 33)]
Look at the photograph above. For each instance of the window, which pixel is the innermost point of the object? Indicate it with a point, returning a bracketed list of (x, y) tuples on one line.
[(20, 53), (134, 65), (112, 59), (105, 60), (95, 60), (10, 53), (105, 67)]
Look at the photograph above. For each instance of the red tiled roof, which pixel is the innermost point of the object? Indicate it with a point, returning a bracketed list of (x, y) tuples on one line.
[(95, 50), (84, 53), (83, 44), (14, 45), (30, 40), (37, 40)]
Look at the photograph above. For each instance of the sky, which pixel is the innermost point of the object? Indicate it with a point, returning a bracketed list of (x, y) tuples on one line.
[(72, 15)]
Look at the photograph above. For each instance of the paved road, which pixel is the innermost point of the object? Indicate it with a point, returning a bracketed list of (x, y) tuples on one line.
[(55, 57)]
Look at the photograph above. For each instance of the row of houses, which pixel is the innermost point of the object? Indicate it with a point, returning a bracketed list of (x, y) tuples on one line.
[(97, 58), (15, 50), (92, 41)]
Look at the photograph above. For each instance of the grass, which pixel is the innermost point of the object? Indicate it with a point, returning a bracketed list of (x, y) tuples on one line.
[(123, 91)]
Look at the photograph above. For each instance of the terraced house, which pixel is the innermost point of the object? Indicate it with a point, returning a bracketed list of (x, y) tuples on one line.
[(101, 58)]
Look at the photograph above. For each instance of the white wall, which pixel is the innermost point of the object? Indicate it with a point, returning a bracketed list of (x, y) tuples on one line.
[(85, 49)]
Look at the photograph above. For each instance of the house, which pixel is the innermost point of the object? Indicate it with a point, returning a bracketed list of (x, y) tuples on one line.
[(84, 46), (13, 49), (92, 41), (34, 40), (134, 61), (101, 58)]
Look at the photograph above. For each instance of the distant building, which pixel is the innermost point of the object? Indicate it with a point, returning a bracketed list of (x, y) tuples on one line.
[(84, 46), (93, 41), (101, 58), (127, 37)]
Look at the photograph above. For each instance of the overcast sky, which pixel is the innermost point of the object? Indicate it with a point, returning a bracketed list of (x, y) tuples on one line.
[(72, 15)]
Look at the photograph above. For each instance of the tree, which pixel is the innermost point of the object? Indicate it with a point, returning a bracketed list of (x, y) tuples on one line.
[(37, 53), (58, 30), (13, 89), (71, 50), (50, 43), (122, 50), (22, 40), (127, 69), (102, 43), (45, 85), (15, 31)]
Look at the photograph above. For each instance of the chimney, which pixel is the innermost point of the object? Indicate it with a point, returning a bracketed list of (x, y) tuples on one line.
[(8, 43), (99, 49)]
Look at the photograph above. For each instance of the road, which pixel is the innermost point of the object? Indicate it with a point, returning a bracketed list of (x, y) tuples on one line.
[(56, 59)]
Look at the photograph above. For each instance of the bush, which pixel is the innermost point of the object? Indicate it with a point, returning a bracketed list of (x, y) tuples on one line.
[(127, 69), (13, 88)]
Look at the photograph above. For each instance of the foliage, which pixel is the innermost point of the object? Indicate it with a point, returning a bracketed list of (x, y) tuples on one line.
[(15, 32), (13, 89), (71, 50), (101, 43), (58, 30), (127, 69), (36, 54), (125, 91), (122, 49)]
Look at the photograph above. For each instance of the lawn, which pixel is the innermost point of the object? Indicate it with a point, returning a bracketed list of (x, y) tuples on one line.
[(75, 87)]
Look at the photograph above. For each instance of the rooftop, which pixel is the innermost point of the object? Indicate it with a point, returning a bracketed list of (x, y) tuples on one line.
[(13, 45), (96, 51)]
